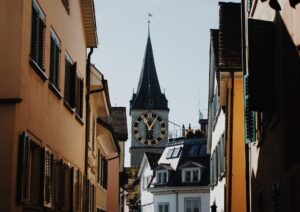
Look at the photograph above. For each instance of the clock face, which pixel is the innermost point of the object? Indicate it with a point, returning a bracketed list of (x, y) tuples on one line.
[(149, 128)]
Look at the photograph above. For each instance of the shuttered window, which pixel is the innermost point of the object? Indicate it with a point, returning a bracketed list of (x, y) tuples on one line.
[(99, 167), (54, 60), (30, 174), (66, 187), (70, 82), (250, 116), (37, 36), (104, 172)]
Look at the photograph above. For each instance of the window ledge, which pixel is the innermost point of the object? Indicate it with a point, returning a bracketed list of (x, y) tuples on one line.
[(66, 104), (55, 91), (79, 119), (38, 69)]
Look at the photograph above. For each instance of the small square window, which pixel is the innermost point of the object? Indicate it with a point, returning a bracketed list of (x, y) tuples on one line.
[(176, 152), (169, 154)]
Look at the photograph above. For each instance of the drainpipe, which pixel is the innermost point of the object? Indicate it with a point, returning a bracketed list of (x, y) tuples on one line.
[(244, 66), (87, 121), (230, 140)]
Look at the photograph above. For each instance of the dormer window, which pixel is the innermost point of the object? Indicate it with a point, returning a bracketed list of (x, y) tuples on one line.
[(190, 175), (173, 153), (161, 177)]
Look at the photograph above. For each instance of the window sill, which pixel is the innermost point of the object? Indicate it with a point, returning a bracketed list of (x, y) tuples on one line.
[(66, 104), (38, 70), (55, 91), (79, 119)]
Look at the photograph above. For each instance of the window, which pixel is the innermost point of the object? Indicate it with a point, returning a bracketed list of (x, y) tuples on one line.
[(54, 60), (99, 161), (102, 170), (93, 132), (37, 37), (163, 207), (161, 177), (191, 175), (79, 96), (70, 80), (192, 205), (194, 151), (173, 153)]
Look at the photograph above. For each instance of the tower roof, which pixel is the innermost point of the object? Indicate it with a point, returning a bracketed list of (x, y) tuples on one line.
[(148, 95)]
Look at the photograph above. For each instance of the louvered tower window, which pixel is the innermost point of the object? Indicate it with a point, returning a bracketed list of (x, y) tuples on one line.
[(54, 60), (37, 36)]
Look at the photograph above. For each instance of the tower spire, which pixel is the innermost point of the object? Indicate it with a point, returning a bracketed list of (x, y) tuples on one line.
[(149, 15)]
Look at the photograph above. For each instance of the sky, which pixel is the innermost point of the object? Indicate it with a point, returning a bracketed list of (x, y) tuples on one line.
[(179, 31)]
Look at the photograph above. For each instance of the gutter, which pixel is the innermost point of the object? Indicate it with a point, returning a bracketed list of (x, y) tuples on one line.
[(245, 71)]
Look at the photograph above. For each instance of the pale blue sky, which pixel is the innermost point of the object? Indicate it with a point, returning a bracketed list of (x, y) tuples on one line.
[(180, 40)]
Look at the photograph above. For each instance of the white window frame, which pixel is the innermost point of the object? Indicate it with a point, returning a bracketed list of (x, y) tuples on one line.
[(160, 177), (185, 170), (192, 199), (163, 204)]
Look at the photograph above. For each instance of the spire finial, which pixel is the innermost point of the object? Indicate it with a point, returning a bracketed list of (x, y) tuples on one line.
[(149, 15)]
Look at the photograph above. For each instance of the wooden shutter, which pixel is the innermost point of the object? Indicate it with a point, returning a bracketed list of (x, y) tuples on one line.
[(67, 81), (79, 96), (34, 24), (54, 63), (72, 86), (105, 170), (250, 116), (60, 184), (80, 191), (41, 43), (24, 169), (261, 79), (47, 178), (54, 181)]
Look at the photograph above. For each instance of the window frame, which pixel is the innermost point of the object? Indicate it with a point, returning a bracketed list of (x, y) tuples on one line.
[(160, 176), (190, 170), (163, 205), (198, 199)]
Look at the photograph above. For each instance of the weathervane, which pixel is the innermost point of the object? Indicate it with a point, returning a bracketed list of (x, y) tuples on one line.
[(149, 15)]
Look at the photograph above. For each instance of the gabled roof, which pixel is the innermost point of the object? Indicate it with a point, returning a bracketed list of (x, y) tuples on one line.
[(191, 164), (230, 49), (152, 159), (148, 95)]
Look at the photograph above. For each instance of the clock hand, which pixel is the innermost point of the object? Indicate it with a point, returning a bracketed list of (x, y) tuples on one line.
[(153, 123), (146, 122)]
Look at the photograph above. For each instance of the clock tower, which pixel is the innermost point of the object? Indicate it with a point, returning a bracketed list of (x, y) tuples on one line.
[(149, 112)]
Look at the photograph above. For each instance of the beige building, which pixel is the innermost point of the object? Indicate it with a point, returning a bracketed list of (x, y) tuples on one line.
[(50, 143)]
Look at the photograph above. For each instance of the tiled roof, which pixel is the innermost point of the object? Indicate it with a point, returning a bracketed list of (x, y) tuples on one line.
[(149, 95), (152, 158), (230, 50)]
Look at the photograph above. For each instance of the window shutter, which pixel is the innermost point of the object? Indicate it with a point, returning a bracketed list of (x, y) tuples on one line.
[(54, 63), (67, 80), (80, 191), (250, 118), (54, 181), (40, 52), (261, 80), (79, 96), (34, 24), (105, 173), (72, 85), (47, 178), (24, 169)]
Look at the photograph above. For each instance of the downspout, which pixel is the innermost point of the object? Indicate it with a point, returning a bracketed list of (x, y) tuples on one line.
[(87, 121), (230, 140), (176, 201), (244, 67)]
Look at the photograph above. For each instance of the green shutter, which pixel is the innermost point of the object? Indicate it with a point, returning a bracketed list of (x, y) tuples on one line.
[(250, 118)]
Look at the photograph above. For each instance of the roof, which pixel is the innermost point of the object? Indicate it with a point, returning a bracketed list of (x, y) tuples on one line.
[(148, 95), (89, 22), (230, 50), (152, 159), (118, 121), (103, 122), (193, 155)]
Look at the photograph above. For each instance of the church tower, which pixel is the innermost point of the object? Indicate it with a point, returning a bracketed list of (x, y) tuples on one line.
[(149, 112)]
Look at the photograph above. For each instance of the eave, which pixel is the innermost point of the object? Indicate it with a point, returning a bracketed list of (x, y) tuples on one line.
[(180, 189), (89, 23)]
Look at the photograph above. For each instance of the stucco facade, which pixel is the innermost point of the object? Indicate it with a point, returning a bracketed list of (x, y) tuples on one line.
[(28, 102)]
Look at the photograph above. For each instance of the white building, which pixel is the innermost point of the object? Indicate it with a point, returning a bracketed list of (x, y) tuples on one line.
[(145, 175), (181, 179), (216, 129)]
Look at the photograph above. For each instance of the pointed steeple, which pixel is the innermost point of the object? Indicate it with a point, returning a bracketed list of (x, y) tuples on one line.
[(148, 94)]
